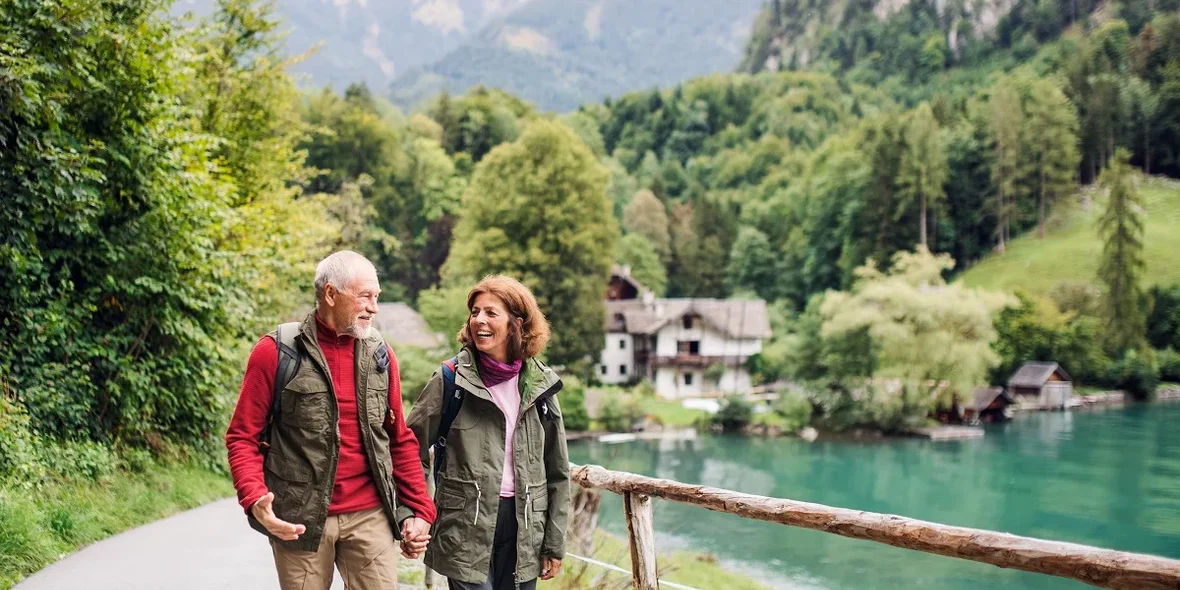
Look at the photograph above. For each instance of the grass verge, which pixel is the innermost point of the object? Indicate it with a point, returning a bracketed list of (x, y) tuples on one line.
[(696, 570), (40, 525)]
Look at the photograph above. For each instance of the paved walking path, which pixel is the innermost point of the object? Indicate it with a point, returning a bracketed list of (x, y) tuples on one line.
[(206, 548)]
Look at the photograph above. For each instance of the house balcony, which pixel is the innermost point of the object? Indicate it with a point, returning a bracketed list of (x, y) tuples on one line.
[(698, 360)]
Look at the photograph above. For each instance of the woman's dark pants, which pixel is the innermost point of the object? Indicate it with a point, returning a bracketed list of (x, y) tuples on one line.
[(503, 566)]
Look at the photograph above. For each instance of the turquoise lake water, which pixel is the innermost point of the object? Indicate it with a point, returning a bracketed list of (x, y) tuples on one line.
[(1108, 478)]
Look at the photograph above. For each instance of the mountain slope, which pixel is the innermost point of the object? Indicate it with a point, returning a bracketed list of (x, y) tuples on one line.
[(563, 53), (1072, 249), (373, 41)]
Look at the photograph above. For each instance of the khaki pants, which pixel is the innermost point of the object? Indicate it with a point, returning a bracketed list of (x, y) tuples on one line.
[(360, 544)]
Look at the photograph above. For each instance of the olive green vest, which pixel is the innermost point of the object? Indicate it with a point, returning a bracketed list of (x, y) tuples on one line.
[(300, 467)]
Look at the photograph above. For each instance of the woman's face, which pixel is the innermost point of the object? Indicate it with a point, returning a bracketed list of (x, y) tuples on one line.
[(488, 324)]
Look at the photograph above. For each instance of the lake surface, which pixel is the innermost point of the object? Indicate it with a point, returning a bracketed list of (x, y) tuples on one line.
[(1108, 478)]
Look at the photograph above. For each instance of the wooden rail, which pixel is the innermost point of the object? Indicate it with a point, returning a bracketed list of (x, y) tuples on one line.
[(1099, 567)]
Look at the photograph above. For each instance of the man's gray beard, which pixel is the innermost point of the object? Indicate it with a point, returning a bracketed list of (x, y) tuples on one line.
[(354, 329)]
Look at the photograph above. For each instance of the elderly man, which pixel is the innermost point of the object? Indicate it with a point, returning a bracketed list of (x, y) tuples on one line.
[(331, 472)]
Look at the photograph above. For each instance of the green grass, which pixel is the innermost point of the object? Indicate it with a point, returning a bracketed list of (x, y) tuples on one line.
[(39, 525), (670, 412), (696, 570), (1071, 248)]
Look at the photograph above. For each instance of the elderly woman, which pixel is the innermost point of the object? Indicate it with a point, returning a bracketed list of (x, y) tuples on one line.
[(503, 489)]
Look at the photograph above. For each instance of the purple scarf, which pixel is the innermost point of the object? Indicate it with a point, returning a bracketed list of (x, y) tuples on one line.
[(493, 372)]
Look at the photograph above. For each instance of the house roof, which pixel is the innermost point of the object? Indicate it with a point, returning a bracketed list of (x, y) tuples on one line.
[(402, 325), (624, 273), (984, 396), (736, 318), (1036, 374)]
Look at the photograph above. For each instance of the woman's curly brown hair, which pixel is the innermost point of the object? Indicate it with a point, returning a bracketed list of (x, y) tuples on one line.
[(527, 338)]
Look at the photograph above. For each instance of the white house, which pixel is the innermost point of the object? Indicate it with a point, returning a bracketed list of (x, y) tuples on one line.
[(686, 347)]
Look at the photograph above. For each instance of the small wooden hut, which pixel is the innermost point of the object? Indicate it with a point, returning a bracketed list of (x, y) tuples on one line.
[(1041, 385), (990, 404)]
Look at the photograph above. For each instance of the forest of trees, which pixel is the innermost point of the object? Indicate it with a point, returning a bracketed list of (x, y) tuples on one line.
[(167, 189)]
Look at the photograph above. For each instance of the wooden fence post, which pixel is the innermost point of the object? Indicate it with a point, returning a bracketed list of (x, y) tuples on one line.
[(641, 531)]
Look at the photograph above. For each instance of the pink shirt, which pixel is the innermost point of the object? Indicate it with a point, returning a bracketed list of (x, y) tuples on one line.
[(507, 398)]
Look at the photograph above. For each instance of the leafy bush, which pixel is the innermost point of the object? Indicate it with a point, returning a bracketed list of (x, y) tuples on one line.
[(1169, 364), (795, 410), (1163, 323), (735, 414), (619, 413), (415, 367), (573, 405), (18, 443), (1136, 374), (714, 372)]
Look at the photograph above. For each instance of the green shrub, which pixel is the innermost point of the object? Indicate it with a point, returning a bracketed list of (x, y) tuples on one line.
[(573, 405), (19, 444), (415, 367), (619, 413), (735, 414), (1137, 375), (795, 410), (1169, 364)]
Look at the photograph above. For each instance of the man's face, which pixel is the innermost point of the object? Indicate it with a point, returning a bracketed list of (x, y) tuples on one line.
[(353, 309)]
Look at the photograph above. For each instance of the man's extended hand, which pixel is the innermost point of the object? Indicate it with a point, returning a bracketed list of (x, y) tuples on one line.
[(415, 537), (280, 529), (549, 568)]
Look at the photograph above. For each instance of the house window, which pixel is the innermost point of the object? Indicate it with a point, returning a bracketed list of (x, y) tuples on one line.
[(687, 322), (603, 369), (623, 370), (688, 378), (619, 318), (622, 343), (688, 347)]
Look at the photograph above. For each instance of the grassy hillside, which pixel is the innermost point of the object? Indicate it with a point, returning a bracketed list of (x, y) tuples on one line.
[(1071, 250)]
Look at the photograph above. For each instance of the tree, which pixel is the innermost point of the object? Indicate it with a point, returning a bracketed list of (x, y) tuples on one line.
[(933, 338), (1006, 122), (1121, 269), (923, 166), (1052, 142), (146, 231), (645, 215), (753, 264), (637, 252), (537, 210)]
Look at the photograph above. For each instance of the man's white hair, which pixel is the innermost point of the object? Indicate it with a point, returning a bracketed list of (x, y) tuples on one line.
[(339, 269)]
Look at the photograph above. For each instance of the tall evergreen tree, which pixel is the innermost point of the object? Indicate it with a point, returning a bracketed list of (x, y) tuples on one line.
[(923, 166), (1121, 270), (645, 215), (1052, 144), (1006, 122)]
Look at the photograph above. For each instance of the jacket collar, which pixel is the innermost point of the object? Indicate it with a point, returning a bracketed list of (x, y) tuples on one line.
[(535, 378)]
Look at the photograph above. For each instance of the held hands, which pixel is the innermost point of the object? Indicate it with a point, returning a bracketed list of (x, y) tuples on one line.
[(415, 537), (549, 568), (263, 511)]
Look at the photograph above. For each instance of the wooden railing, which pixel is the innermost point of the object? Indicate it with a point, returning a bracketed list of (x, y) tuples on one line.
[(1099, 567)]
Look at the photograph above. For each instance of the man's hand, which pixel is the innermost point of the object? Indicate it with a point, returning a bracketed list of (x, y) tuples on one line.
[(280, 529), (549, 568), (415, 537)]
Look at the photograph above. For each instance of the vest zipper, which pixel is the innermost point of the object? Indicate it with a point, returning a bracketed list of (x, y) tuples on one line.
[(528, 507), (478, 500)]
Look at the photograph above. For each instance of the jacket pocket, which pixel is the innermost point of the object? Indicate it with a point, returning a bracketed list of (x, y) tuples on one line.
[(305, 404), (291, 485), (455, 531)]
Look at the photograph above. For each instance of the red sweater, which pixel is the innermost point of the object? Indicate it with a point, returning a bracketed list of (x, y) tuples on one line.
[(353, 489)]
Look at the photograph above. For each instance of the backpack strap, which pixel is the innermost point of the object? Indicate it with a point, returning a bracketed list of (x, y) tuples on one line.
[(285, 337), (452, 402)]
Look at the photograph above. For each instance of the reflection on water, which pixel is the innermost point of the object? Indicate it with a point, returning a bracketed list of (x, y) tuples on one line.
[(1106, 478)]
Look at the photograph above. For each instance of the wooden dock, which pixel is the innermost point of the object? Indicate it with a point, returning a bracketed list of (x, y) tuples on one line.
[(940, 433)]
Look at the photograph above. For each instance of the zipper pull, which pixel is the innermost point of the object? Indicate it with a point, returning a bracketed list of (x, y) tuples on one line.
[(528, 506), (478, 499)]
